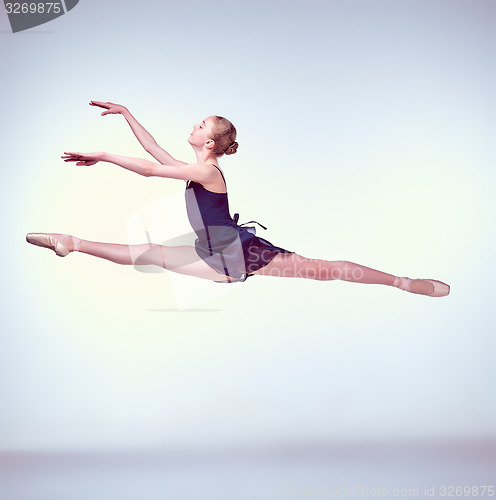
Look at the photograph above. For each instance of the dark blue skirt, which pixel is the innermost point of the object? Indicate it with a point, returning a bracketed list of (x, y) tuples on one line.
[(236, 252)]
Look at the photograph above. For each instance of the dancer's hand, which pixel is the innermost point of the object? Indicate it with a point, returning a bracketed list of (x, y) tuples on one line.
[(83, 159), (112, 109)]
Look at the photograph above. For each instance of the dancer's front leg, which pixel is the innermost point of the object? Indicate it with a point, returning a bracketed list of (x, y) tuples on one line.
[(180, 259)]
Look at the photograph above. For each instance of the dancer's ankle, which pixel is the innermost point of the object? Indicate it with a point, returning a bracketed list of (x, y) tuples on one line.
[(419, 286), (401, 283), (76, 242), (70, 242)]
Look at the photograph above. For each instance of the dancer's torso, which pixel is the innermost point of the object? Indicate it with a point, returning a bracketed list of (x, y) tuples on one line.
[(206, 208)]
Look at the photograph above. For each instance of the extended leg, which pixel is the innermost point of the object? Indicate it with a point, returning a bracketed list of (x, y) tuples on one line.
[(296, 266), (180, 259)]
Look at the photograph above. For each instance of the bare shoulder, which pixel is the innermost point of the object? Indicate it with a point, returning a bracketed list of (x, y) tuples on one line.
[(214, 179), (202, 173)]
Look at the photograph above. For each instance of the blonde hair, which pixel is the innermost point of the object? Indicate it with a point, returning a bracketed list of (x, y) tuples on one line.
[(224, 136)]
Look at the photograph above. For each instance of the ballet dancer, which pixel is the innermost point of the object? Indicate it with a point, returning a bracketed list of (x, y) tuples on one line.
[(224, 250)]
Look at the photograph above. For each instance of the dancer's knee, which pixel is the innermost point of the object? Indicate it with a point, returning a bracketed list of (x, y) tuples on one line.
[(148, 254), (345, 271), (318, 270), (322, 270)]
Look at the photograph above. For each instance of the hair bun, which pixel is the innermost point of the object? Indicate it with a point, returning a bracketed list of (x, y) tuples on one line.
[(232, 148)]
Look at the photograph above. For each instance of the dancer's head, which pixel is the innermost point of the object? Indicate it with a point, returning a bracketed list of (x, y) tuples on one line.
[(216, 133)]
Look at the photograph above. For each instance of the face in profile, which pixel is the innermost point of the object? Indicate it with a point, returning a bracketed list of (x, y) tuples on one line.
[(202, 132)]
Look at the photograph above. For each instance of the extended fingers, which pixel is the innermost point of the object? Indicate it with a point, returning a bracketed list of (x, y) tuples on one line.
[(82, 159), (71, 156), (100, 104)]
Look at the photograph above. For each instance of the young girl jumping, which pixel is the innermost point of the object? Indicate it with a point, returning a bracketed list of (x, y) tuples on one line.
[(224, 251)]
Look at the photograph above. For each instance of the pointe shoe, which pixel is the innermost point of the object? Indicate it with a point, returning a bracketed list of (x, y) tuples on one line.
[(440, 289), (47, 241)]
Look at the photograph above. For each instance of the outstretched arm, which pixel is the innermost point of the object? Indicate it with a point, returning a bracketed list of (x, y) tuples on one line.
[(187, 172), (144, 137)]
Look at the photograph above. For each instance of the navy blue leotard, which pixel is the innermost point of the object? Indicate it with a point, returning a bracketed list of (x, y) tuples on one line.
[(231, 249)]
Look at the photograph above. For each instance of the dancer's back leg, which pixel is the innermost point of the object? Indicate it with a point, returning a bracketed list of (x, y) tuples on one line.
[(292, 265), (297, 266)]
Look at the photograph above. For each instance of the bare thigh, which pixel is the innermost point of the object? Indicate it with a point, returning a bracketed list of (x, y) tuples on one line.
[(179, 259), (291, 265)]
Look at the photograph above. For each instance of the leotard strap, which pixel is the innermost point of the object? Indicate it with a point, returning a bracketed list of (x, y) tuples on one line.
[(223, 178)]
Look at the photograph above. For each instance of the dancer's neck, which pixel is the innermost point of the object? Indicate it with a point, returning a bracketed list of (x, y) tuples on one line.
[(205, 156)]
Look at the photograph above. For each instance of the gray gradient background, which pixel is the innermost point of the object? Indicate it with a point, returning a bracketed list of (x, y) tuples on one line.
[(366, 132)]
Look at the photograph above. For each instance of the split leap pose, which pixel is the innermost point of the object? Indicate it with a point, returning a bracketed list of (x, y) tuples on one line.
[(224, 251)]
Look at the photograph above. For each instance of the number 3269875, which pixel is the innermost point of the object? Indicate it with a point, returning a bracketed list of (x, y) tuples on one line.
[(34, 8)]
